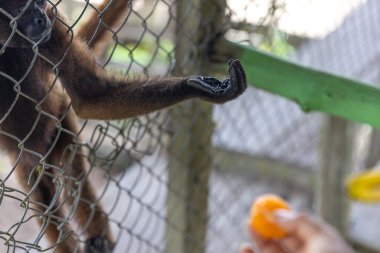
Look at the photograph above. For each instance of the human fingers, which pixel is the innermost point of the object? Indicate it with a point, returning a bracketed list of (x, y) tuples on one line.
[(246, 248), (306, 233), (300, 225), (292, 244), (261, 245)]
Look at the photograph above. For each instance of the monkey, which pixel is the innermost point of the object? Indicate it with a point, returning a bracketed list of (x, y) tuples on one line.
[(49, 78), (96, 29)]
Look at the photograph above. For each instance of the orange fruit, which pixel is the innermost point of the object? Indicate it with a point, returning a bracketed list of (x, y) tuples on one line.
[(262, 220)]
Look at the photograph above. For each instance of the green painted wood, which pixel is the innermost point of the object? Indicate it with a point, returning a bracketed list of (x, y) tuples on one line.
[(313, 90)]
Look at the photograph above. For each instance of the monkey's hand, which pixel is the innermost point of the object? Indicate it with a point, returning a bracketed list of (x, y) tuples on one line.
[(213, 90), (98, 245)]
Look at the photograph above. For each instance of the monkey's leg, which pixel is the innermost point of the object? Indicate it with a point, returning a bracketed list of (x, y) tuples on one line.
[(96, 30), (43, 194), (88, 212)]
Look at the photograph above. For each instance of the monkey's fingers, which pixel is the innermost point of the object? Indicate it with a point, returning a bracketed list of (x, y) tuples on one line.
[(98, 245), (238, 77), (209, 85), (221, 91)]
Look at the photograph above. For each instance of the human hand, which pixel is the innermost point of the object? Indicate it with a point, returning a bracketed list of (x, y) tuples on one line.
[(305, 234)]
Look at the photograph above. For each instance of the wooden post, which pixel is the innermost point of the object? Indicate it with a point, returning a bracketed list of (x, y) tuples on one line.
[(337, 151), (374, 149), (190, 147)]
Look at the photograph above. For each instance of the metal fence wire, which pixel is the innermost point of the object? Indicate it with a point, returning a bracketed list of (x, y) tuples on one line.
[(181, 179)]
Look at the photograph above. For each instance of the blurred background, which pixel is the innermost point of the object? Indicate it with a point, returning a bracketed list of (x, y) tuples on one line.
[(183, 179)]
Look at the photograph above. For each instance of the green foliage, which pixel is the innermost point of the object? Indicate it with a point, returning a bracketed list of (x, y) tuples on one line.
[(277, 44)]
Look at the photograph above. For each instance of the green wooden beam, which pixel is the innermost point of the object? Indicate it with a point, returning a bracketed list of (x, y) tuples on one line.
[(313, 90)]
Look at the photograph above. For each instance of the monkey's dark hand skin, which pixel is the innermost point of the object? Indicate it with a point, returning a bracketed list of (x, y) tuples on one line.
[(214, 90), (98, 245)]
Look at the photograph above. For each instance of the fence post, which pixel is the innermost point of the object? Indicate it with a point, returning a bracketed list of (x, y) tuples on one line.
[(374, 149), (336, 161), (190, 148)]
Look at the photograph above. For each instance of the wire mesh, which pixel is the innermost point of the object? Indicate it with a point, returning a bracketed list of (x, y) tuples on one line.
[(129, 160)]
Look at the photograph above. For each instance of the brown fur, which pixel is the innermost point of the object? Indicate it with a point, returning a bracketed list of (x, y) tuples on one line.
[(35, 107), (96, 30)]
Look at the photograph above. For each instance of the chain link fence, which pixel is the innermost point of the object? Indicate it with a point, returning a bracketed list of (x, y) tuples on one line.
[(183, 179)]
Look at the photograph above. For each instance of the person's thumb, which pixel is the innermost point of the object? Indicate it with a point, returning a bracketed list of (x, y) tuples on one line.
[(299, 224), (246, 248)]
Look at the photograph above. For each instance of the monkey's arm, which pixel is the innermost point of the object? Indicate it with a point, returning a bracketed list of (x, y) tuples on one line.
[(96, 95)]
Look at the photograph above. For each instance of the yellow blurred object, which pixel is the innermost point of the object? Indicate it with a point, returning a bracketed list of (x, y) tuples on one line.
[(364, 186)]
